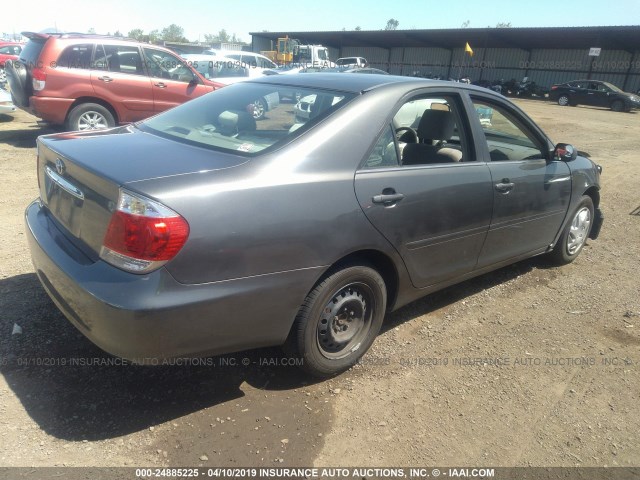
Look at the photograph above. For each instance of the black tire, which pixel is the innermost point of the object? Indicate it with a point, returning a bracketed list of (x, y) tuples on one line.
[(338, 321), (617, 106), (90, 116), (575, 233), (564, 100), (19, 83)]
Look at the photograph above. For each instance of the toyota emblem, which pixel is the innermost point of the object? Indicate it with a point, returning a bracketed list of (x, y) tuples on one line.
[(60, 166)]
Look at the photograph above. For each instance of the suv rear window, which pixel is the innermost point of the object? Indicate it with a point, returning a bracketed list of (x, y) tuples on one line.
[(31, 52)]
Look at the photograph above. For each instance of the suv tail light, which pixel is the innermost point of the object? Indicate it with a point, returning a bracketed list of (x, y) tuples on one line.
[(554, 87), (143, 234), (39, 78)]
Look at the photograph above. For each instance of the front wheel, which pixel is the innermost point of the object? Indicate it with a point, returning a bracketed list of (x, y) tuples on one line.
[(575, 234), (617, 106), (90, 116), (338, 321)]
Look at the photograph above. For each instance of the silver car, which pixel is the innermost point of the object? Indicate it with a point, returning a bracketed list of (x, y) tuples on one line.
[(6, 104), (201, 231)]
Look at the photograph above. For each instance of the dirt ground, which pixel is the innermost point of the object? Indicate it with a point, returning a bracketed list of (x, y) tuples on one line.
[(527, 366)]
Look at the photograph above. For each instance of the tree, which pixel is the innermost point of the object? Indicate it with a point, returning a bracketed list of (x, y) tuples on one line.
[(503, 25), (91, 30), (137, 34), (118, 34), (357, 29), (173, 33), (392, 24), (154, 36), (465, 24), (223, 36)]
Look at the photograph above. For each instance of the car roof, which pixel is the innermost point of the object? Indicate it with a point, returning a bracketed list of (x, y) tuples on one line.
[(241, 52), (350, 83)]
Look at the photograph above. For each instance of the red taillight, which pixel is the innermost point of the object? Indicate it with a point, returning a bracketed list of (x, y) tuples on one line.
[(554, 87), (39, 78), (146, 238), (143, 234)]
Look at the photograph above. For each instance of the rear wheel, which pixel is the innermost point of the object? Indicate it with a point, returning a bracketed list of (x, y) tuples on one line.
[(617, 106), (90, 116), (338, 321), (575, 234), (563, 100)]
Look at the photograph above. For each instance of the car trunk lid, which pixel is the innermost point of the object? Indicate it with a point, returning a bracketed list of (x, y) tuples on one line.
[(80, 175)]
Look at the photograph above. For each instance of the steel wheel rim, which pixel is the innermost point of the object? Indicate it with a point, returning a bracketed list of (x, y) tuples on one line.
[(579, 230), (92, 121), (563, 101), (345, 321), (258, 109)]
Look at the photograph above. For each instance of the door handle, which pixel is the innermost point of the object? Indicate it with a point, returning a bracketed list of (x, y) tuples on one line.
[(388, 199), (105, 79), (505, 186), (161, 85)]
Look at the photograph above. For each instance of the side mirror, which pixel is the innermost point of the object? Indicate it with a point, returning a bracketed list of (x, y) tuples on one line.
[(565, 152)]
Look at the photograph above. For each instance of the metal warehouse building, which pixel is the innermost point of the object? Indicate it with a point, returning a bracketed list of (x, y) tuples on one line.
[(545, 55)]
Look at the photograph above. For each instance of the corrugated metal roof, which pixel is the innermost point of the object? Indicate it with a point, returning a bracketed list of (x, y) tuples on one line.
[(616, 37)]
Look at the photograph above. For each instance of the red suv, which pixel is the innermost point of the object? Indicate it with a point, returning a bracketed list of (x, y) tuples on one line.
[(91, 81)]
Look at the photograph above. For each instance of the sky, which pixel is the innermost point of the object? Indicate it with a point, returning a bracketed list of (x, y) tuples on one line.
[(241, 17)]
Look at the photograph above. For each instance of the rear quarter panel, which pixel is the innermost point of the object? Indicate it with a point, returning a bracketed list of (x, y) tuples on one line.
[(292, 209)]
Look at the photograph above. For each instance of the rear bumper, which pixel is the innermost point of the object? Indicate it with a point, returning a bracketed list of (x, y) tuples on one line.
[(144, 318), (53, 110)]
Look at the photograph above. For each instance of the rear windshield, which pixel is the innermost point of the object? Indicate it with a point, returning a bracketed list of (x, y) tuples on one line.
[(31, 52), (246, 117)]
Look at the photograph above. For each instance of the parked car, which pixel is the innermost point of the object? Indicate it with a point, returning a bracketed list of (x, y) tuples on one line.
[(594, 93), (201, 231), (495, 85), (352, 62), (225, 71), (6, 105), (9, 51), (250, 59), (88, 82)]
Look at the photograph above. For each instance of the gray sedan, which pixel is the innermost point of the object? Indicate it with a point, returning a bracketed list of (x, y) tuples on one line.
[(201, 231)]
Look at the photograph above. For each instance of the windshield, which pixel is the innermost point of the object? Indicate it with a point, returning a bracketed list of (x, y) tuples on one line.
[(613, 87), (246, 117)]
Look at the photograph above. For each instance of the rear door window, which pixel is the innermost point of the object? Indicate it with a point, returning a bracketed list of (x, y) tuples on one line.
[(119, 58), (76, 56)]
